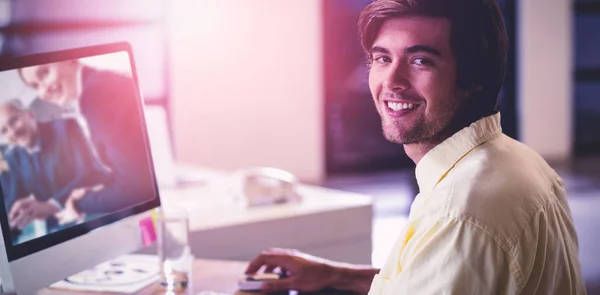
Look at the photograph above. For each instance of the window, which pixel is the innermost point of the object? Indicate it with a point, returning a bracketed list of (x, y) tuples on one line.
[(587, 77)]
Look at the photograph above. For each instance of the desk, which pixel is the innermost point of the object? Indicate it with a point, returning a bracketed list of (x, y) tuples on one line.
[(208, 275), (333, 224)]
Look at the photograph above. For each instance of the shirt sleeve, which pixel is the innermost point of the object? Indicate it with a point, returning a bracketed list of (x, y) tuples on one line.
[(56, 204), (453, 256), (86, 167)]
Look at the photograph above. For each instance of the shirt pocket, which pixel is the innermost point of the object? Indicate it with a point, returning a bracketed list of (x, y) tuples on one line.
[(380, 285)]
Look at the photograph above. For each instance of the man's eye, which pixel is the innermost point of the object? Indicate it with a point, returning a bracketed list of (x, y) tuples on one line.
[(43, 73), (422, 61), (383, 59), (13, 121)]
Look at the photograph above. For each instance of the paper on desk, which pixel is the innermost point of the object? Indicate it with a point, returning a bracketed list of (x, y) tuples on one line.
[(126, 274)]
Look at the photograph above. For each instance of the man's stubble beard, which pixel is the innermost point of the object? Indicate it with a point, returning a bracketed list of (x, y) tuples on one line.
[(394, 132), (422, 130)]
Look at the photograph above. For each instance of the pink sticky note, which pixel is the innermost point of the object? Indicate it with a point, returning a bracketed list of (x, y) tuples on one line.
[(148, 231)]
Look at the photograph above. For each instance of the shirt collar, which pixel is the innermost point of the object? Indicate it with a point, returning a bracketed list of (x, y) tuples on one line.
[(439, 160), (36, 147)]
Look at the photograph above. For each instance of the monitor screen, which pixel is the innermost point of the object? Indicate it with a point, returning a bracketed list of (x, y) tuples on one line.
[(74, 150)]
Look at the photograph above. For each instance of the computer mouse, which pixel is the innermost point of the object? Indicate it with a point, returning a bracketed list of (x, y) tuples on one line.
[(211, 293), (254, 282)]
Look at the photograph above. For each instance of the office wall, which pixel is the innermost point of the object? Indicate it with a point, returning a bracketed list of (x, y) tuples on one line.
[(246, 84), (545, 76)]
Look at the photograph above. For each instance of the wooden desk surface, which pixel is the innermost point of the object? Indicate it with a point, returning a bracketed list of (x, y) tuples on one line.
[(208, 275)]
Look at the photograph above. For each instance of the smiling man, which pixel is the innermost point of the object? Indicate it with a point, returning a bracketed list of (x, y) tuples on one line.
[(491, 216), (106, 101), (55, 82)]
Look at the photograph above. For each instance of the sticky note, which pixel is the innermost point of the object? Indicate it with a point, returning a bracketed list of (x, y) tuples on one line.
[(148, 230)]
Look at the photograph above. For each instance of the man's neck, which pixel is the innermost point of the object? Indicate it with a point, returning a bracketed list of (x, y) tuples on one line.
[(416, 151)]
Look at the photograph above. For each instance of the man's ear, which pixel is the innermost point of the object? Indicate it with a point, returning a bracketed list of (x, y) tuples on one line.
[(464, 93), (477, 88), (474, 89)]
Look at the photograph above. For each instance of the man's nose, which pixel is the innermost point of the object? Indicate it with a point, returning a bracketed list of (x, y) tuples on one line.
[(44, 94), (397, 78)]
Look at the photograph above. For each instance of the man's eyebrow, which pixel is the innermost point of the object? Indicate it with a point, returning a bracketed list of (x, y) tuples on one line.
[(423, 48), (412, 49), (379, 49)]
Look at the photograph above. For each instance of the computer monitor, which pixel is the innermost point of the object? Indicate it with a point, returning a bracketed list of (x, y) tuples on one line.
[(76, 172)]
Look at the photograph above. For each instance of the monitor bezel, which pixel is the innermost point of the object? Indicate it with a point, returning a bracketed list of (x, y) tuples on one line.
[(30, 247)]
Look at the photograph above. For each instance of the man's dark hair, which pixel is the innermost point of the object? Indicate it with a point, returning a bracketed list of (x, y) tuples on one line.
[(478, 40)]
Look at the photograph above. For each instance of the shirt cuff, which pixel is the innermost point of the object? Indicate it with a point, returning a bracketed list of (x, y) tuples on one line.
[(56, 204)]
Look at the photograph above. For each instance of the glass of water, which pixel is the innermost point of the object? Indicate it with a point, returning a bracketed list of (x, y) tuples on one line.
[(174, 251)]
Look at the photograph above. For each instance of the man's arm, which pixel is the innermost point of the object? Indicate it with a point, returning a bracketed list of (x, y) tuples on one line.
[(120, 143), (308, 273), (87, 168), (354, 278), (20, 205), (453, 256), (11, 180)]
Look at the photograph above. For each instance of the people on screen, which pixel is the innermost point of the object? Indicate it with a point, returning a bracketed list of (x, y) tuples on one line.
[(48, 163), (109, 104)]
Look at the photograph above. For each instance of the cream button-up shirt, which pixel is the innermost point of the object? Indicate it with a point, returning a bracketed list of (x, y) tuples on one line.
[(491, 217)]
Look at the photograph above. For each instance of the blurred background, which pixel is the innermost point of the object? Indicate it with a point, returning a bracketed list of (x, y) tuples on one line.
[(245, 83)]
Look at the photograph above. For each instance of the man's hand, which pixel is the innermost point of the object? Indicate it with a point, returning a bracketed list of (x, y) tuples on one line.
[(305, 273), (71, 212), (26, 210)]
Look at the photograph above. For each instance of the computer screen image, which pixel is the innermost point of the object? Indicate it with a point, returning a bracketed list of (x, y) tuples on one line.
[(76, 171)]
